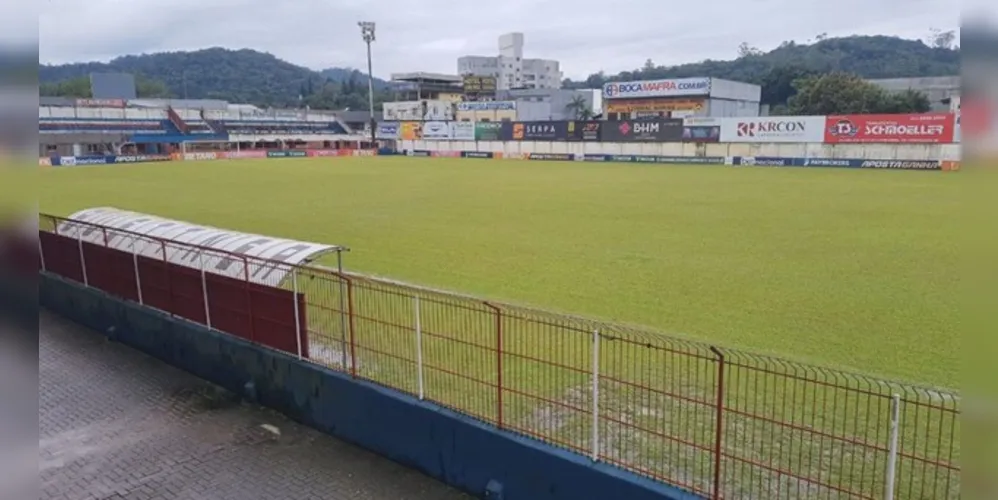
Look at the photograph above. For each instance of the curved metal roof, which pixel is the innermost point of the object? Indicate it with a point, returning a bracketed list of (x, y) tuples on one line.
[(269, 259)]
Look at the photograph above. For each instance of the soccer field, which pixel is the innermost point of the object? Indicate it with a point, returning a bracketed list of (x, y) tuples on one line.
[(844, 268)]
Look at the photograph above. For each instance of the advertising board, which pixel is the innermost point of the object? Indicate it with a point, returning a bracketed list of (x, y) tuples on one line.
[(100, 103), (462, 131), (238, 155), (654, 105), (932, 128), (643, 131), (287, 154), (208, 155), (808, 129), (584, 131), (489, 131), (540, 131), (387, 130), (436, 130), (477, 154), (325, 153), (777, 161), (45, 161), (140, 158), (411, 131), (701, 121), (551, 156), (674, 87), (702, 133), (487, 106), (475, 86)]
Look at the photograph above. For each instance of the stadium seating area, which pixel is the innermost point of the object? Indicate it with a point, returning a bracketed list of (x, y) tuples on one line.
[(100, 125), (145, 123), (282, 127)]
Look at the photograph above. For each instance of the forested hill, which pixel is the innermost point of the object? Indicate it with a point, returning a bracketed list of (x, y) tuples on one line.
[(248, 76), (866, 56), (241, 76)]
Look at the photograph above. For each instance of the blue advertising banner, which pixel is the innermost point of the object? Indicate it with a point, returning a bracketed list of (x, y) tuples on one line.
[(477, 154), (141, 158), (388, 130), (674, 160), (770, 161), (902, 164), (765, 161)]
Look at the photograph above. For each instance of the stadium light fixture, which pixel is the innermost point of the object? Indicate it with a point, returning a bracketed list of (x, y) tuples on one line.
[(367, 32)]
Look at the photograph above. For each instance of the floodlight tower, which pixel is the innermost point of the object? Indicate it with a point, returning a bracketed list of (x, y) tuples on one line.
[(367, 32)]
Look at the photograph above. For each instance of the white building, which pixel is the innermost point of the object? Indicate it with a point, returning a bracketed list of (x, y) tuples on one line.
[(511, 70)]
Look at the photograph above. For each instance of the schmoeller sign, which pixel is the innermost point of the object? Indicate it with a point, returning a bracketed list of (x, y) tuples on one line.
[(657, 88)]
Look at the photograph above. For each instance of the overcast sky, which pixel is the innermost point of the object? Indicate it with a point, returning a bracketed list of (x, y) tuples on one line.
[(429, 35)]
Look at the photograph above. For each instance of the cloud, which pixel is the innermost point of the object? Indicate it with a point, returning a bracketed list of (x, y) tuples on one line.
[(585, 35)]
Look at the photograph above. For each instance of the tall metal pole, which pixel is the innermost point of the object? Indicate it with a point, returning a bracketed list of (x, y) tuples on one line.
[(370, 95), (367, 32)]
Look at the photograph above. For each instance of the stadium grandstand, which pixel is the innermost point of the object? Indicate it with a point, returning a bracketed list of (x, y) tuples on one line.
[(74, 127)]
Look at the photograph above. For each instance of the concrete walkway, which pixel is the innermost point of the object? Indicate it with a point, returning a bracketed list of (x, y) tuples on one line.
[(117, 424)]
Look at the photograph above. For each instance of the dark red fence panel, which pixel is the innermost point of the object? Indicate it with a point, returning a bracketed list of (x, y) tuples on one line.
[(255, 312), (61, 255)]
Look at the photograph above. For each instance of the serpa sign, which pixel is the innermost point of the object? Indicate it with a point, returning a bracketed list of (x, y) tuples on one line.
[(218, 251)]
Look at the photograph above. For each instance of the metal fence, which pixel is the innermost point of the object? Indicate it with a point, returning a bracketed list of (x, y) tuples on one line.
[(717, 422)]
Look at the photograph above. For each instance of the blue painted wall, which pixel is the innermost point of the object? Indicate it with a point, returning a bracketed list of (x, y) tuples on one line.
[(459, 451)]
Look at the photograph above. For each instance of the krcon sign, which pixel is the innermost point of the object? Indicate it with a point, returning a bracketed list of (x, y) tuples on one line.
[(773, 129), (657, 88)]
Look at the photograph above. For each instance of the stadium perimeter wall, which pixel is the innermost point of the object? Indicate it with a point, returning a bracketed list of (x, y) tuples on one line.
[(948, 152), (459, 451)]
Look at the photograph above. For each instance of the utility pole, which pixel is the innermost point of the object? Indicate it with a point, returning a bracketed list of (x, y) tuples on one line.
[(367, 32)]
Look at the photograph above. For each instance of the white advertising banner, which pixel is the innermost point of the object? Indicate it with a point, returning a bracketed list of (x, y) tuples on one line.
[(462, 131), (402, 111), (436, 130), (807, 129), (673, 87), (281, 254), (486, 106)]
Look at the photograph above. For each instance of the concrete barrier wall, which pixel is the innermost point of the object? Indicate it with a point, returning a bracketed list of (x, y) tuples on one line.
[(783, 150), (452, 448)]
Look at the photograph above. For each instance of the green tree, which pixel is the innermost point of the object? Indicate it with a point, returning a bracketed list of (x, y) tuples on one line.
[(579, 108), (778, 84), (845, 93), (80, 88)]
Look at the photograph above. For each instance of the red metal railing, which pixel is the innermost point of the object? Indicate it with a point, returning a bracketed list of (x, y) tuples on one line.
[(717, 422)]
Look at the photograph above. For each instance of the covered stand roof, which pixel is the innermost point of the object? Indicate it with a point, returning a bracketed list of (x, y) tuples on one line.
[(270, 259)]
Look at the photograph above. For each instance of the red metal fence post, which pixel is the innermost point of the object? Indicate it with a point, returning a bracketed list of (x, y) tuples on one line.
[(719, 429), (353, 341), (499, 370)]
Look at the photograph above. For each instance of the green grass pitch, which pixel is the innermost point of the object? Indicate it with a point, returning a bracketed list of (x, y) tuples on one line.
[(844, 268)]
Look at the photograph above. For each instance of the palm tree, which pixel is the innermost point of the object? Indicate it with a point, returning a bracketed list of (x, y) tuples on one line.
[(579, 108)]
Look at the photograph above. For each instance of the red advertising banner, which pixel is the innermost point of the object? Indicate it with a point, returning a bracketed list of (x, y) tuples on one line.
[(324, 152), (918, 128), (239, 155)]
